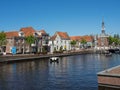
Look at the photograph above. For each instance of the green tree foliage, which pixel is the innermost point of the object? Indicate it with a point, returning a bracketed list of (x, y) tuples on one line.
[(83, 42), (114, 40), (30, 40), (73, 42), (111, 40), (2, 40), (116, 36)]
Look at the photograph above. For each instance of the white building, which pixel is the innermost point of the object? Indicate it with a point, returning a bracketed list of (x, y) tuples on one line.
[(60, 41)]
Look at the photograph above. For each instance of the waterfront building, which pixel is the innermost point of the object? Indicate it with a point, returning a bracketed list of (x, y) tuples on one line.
[(60, 41), (88, 39), (27, 31), (11, 40), (77, 39), (101, 41), (17, 39), (43, 41)]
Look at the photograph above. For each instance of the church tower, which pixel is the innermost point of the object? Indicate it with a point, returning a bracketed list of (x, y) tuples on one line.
[(103, 38), (103, 27)]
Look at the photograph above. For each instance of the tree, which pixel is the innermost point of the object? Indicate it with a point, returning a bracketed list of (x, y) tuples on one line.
[(30, 40), (110, 40), (2, 40), (116, 36), (83, 42), (73, 43), (114, 40)]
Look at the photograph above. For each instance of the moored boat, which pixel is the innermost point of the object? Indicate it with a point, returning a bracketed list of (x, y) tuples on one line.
[(54, 59), (108, 54)]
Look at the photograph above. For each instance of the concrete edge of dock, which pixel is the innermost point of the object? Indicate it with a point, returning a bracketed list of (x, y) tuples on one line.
[(107, 78), (16, 58)]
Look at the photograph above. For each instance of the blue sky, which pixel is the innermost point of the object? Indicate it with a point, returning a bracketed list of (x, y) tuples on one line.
[(77, 17)]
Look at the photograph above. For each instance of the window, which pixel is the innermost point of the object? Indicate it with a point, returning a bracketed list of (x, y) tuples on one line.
[(65, 42)]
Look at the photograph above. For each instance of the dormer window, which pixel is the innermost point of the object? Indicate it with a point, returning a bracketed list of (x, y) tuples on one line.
[(35, 34), (21, 34)]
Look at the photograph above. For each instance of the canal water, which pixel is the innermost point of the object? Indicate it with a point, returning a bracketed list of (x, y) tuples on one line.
[(77, 72)]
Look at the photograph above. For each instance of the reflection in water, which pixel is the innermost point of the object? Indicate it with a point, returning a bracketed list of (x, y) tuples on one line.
[(71, 73)]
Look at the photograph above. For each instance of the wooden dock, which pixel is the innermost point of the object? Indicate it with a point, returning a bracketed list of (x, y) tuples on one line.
[(110, 78)]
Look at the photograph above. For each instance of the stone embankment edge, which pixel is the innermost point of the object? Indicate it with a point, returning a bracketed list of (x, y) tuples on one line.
[(16, 58)]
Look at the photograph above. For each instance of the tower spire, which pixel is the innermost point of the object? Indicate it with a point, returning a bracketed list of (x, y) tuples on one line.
[(103, 26)]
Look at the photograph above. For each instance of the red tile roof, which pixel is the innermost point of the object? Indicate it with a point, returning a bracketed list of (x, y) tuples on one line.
[(76, 38), (42, 31), (88, 38), (11, 34), (53, 37), (79, 38), (28, 31), (63, 35)]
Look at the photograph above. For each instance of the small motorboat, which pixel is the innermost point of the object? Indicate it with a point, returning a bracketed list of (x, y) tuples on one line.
[(54, 59), (108, 54)]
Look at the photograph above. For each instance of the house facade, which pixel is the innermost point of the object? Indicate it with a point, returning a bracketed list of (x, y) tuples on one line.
[(60, 41), (77, 39), (88, 39), (43, 40), (11, 40), (17, 39)]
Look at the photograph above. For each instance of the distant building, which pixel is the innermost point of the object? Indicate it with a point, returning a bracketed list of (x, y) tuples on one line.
[(101, 41), (60, 41), (11, 40), (17, 39), (43, 41), (78, 39)]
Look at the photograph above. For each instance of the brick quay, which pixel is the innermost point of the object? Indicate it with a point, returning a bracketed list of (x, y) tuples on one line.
[(110, 78), (26, 57)]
